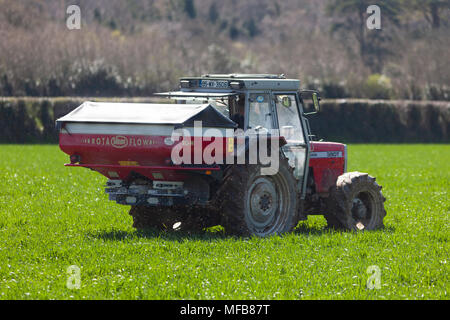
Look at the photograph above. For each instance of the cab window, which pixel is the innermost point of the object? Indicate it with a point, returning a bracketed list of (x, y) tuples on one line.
[(259, 114), (288, 118)]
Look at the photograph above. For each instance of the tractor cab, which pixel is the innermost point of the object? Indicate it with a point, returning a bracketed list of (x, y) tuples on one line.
[(258, 104)]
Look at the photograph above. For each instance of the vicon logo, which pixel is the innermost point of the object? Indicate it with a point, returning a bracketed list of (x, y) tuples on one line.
[(119, 142)]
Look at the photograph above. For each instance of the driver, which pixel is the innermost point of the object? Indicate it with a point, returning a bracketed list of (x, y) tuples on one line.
[(239, 115)]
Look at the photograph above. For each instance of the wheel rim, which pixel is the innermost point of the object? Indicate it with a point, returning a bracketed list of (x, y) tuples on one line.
[(267, 205), (263, 203), (362, 209)]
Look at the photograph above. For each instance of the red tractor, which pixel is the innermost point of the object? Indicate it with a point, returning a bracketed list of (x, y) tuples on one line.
[(234, 150)]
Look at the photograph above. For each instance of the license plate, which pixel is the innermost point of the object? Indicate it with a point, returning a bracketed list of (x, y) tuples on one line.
[(167, 185), (214, 84)]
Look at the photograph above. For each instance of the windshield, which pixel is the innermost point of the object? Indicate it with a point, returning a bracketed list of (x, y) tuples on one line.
[(259, 111)]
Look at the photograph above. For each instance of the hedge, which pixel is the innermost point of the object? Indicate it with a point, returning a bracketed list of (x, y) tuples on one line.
[(32, 120), (383, 121)]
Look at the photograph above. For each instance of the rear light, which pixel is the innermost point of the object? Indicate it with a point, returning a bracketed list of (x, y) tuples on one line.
[(75, 158)]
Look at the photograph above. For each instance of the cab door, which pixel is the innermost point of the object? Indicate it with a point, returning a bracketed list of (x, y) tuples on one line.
[(289, 121)]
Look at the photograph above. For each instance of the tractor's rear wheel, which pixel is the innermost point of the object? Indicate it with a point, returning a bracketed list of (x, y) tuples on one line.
[(356, 203), (255, 204)]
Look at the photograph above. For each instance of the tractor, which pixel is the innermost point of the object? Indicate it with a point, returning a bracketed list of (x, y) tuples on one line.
[(234, 150)]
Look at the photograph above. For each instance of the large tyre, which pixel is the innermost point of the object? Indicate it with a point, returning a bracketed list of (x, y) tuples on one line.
[(356, 203), (255, 204), (160, 218)]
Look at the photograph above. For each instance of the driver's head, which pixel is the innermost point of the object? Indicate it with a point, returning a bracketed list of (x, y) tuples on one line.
[(240, 105)]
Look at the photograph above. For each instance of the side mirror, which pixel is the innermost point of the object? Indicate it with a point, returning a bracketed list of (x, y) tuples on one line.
[(314, 96), (316, 99)]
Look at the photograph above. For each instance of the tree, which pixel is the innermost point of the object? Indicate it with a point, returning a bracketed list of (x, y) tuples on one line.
[(213, 13), (189, 8), (251, 27), (431, 9), (350, 18)]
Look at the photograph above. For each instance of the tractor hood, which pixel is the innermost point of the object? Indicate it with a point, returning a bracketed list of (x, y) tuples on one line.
[(179, 115)]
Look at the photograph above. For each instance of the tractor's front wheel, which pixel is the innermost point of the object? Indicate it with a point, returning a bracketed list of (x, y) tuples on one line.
[(356, 203)]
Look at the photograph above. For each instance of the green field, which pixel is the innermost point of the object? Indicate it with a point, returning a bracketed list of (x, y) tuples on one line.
[(52, 217)]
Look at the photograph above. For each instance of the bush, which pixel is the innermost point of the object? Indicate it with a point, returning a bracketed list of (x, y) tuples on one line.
[(437, 93), (378, 86), (97, 80), (333, 91)]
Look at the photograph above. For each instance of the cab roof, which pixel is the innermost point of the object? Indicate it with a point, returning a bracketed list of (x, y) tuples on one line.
[(239, 82), (245, 76)]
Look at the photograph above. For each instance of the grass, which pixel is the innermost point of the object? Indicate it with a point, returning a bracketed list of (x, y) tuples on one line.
[(52, 217)]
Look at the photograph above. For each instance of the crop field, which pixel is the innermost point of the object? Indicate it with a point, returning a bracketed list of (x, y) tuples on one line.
[(53, 217)]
